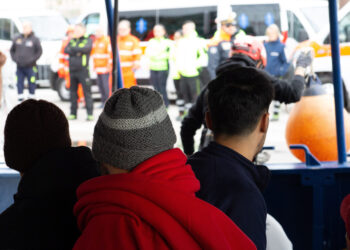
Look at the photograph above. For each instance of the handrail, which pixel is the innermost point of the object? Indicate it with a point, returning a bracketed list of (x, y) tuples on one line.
[(337, 81)]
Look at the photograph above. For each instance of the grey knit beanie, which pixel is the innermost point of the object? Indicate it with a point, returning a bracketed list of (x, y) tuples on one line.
[(133, 127)]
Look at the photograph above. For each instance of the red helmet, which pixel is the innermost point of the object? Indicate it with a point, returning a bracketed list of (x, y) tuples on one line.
[(250, 46)]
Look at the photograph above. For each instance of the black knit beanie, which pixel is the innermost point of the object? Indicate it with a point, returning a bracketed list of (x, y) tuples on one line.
[(32, 129), (133, 127)]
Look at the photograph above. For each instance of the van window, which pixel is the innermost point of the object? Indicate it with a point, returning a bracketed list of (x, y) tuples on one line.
[(318, 17), (344, 29), (141, 22), (7, 29), (42, 27), (254, 19), (91, 22), (295, 29), (203, 17)]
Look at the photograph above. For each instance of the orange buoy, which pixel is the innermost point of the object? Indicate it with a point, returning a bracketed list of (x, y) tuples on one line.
[(312, 123)]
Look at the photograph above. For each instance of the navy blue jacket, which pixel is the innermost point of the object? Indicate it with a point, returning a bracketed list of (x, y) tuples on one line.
[(277, 64), (233, 184), (25, 51)]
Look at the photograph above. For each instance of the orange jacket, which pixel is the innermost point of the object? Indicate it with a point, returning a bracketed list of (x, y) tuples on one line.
[(101, 55), (63, 69), (130, 54)]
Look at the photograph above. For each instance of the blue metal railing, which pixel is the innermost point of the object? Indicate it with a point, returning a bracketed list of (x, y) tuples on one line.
[(337, 81)]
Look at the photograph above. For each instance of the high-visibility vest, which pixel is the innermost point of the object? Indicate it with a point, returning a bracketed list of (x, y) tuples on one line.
[(129, 53), (158, 51), (191, 55), (101, 55)]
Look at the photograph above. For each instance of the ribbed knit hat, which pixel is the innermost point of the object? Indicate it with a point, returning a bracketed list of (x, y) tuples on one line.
[(133, 127)]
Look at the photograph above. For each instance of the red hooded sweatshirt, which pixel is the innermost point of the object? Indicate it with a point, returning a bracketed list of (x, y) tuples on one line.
[(153, 207)]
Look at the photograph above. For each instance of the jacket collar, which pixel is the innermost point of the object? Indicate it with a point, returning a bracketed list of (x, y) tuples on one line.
[(259, 173)]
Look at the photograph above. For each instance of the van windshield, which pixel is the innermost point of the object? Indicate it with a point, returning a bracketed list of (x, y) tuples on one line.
[(47, 28), (318, 17)]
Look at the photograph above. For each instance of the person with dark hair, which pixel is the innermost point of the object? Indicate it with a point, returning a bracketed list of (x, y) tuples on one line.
[(158, 52), (245, 52), (146, 199), (238, 115), (78, 49), (38, 145)]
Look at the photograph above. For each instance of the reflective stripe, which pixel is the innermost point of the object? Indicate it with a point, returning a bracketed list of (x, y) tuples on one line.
[(126, 64), (125, 53), (83, 60), (136, 51), (82, 44), (101, 70), (35, 69), (32, 79), (146, 121)]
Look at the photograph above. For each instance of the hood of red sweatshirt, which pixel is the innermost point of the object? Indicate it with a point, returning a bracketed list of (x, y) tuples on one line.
[(161, 193)]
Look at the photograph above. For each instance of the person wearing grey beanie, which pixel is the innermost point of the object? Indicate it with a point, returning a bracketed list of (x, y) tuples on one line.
[(133, 127), (146, 199)]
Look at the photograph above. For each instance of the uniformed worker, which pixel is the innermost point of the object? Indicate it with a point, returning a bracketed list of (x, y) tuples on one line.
[(25, 51), (220, 44), (78, 49), (158, 52)]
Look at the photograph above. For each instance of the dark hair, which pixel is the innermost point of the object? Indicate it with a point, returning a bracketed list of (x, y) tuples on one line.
[(32, 129), (237, 99)]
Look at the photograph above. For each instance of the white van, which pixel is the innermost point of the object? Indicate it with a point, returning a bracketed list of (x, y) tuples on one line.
[(321, 44), (48, 26), (298, 20)]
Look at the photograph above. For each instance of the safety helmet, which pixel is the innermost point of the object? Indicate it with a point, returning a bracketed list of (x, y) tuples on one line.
[(227, 17), (250, 46)]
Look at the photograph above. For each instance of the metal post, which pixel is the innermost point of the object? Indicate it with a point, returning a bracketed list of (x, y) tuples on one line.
[(112, 17), (337, 81)]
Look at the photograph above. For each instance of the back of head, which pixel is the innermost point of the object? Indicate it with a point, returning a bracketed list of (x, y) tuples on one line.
[(133, 127), (237, 99), (32, 129)]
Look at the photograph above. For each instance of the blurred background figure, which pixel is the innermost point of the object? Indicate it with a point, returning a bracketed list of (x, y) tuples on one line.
[(102, 60), (220, 44), (78, 49), (25, 51), (180, 103), (158, 52), (2, 63), (277, 64), (63, 71), (129, 53), (189, 60)]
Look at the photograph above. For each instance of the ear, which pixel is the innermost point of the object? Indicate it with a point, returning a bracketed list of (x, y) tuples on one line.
[(208, 120), (264, 123)]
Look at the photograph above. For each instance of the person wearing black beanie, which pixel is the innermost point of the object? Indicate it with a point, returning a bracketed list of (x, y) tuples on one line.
[(38, 145)]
